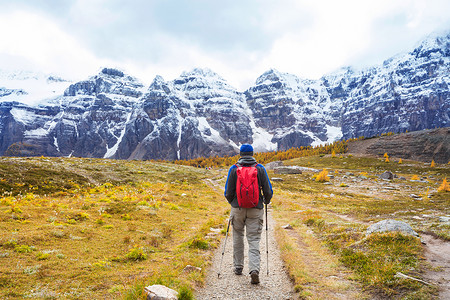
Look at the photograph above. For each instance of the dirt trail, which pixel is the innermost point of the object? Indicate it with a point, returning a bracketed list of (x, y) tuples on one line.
[(276, 285), (437, 253)]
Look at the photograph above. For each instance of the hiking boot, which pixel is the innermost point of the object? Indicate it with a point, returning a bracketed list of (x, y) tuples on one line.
[(238, 271), (255, 277)]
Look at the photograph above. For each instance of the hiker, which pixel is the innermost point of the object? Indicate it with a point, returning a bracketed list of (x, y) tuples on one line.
[(251, 219)]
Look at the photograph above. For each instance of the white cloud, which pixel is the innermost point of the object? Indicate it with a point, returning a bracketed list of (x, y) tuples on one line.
[(354, 32), (93, 13), (44, 45), (179, 56), (237, 40), (336, 33)]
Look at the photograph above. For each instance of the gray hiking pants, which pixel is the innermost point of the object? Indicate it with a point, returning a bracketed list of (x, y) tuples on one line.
[(250, 219)]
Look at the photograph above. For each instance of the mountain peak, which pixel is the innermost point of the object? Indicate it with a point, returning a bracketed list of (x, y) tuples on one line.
[(272, 75), (110, 81), (435, 39), (435, 45), (159, 84), (158, 80), (202, 72), (112, 72)]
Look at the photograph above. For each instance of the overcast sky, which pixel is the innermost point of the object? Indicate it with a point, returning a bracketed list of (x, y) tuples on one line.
[(239, 39)]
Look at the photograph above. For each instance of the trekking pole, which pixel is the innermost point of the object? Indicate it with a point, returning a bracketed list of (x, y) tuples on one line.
[(224, 244), (267, 241)]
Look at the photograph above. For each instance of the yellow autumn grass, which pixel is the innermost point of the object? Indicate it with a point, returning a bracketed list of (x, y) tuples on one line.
[(129, 224), (309, 262), (94, 228), (330, 215)]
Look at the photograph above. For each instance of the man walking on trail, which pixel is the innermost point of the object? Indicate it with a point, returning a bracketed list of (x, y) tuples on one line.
[(244, 215)]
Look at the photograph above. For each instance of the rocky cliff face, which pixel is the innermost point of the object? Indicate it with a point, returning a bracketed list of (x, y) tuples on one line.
[(197, 114), (86, 121), (408, 92), (113, 115), (286, 107)]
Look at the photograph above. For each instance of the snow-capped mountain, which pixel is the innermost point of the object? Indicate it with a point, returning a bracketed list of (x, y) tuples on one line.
[(197, 114), (30, 87), (113, 115), (289, 109), (408, 92)]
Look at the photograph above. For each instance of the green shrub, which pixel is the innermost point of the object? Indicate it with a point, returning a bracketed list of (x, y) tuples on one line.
[(136, 253), (135, 292), (81, 216), (125, 217), (199, 243), (23, 249), (185, 293), (42, 256)]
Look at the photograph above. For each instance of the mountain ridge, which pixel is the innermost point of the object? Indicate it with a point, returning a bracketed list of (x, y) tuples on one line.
[(423, 145), (113, 115)]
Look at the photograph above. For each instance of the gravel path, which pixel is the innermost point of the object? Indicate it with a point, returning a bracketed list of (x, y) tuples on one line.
[(230, 286), (437, 253)]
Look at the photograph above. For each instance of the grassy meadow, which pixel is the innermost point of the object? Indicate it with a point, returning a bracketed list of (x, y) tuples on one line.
[(74, 228), (329, 219)]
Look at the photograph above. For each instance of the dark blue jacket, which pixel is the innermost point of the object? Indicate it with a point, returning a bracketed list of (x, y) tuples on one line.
[(263, 182)]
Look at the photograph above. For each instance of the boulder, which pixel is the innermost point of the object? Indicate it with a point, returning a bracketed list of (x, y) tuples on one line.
[(444, 219), (391, 225), (287, 170), (305, 169), (273, 164), (387, 175), (276, 179), (160, 292), (293, 170)]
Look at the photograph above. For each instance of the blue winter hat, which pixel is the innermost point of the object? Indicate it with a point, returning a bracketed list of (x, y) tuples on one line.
[(246, 150)]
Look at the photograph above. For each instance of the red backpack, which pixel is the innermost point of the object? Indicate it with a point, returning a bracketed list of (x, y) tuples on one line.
[(247, 188)]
